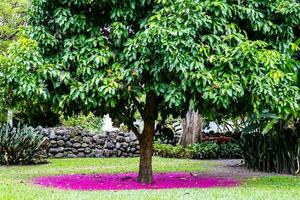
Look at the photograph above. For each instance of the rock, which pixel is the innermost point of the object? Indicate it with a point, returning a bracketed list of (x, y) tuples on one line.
[(87, 150), (77, 145), (80, 155), (53, 144), (132, 136), (54, 150), (66, 137), (100, 142), (86, 140), (110, 145), (84, 145), (125, 145), (77, 139), (119, 153), (118, 145), (59, 155), (61, 149), (96, 137), (68, 144), (107, 152), (99, 156), (81, 149), (60, 132), (74, 150), (52, 135), (133, 150), (59, 137), (127, 139), (71, 156), (115, 152), (99, 152), (60, 143), (120, 138)]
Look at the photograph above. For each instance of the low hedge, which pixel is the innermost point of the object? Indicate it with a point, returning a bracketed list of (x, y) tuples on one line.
[(202, 150)]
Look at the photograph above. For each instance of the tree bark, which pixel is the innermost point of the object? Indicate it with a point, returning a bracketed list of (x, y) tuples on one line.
[(191, 128), (146, 139)]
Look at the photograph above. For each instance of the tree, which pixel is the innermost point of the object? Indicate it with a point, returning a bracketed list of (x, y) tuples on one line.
[(21, 76), (191, 128), (163, 57), (12, 17)]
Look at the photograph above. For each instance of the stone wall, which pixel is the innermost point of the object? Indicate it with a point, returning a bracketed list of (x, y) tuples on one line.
[(68, 142)]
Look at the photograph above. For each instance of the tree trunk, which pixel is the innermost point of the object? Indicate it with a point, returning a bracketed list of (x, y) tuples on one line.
[(191, 128), (146, 139), (146, 146)]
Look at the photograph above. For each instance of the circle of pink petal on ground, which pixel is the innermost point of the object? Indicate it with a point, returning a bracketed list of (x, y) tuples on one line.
[(127, 181)]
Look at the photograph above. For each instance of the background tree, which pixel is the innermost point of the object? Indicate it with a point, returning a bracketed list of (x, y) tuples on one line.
[(192, 126), (12, 17), (218, 56)]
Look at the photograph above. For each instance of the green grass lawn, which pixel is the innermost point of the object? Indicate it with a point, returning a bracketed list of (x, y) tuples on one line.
[(15, 182)]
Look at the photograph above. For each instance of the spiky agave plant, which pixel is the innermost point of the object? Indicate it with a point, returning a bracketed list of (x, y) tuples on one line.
[(21, 145)]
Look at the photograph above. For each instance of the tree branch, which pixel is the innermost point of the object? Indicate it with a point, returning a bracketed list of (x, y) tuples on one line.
[(134, 129), (139, 106)]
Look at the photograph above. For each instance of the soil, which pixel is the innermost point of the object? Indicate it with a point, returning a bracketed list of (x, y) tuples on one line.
[(234, 168)]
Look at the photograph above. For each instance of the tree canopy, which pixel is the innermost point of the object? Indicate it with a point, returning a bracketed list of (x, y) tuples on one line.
[(12, 16), (160, 57)]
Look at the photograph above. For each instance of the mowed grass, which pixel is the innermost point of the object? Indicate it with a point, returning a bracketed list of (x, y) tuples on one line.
[(15, 182)]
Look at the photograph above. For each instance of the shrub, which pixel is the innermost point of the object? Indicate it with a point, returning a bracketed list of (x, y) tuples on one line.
[(272, 152), (169, 151), (205, 150), (202, 150), (230, 150), (22, 145), (88, 122)]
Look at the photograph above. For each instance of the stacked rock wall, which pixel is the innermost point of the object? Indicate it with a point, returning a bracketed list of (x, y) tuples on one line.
[(69, 142)]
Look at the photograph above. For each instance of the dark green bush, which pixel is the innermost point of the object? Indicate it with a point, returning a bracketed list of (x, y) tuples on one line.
[(205, 150), (272, 145), (22, 145), (273, 152), (230, 150), (202, 150)]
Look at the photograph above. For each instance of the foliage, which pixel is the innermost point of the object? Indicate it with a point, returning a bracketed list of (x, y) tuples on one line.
[(22, 72), (12, 17), (230, 150), (202, 150), (163, 57), (169, 151), (205, 150), (275, 149), (88, 122), (21, 145), (186, 51)]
